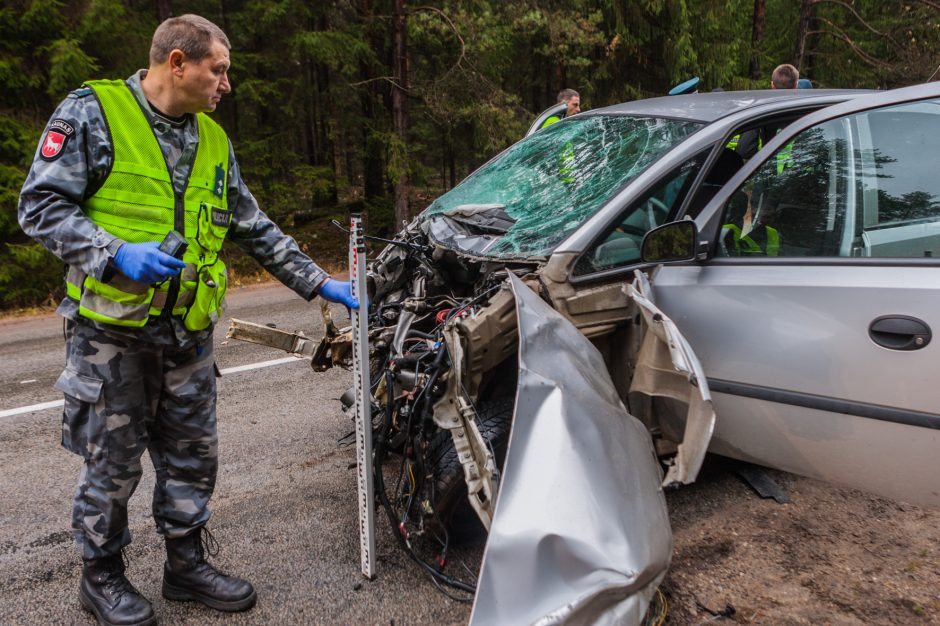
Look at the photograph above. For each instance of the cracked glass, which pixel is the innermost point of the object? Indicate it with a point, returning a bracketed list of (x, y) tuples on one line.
[(527, 200)]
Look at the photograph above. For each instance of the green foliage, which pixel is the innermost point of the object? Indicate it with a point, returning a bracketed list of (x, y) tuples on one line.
[(11, 180), (17, 145), (29, 275), (68, 66), (341, 52), (310, 114), (314, 184)]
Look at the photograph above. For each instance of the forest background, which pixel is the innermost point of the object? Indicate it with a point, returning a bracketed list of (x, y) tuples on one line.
[(381, 105)]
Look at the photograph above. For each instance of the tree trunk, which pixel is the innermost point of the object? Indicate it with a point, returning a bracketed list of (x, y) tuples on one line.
[(233, 103), (164, 10), (400, 119), (306, 131), (336, 140), (806, 14), (373, 166), (757, 38), (451, 162)]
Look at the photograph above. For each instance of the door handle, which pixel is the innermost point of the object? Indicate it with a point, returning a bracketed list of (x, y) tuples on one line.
[(899, 332)]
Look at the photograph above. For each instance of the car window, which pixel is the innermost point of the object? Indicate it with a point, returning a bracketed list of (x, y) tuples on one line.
[(864, 185), (743, 143), (546, 185), (620, 246)]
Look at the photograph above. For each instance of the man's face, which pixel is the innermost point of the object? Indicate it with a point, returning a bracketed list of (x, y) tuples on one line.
[(574, 106), (203, 83)]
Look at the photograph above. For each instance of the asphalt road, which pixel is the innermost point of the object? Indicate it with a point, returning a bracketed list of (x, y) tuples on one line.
[(284, 509), (285, 513)]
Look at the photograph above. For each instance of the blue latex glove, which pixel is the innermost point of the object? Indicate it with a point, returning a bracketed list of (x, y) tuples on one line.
[(145, 263), (338, 291)]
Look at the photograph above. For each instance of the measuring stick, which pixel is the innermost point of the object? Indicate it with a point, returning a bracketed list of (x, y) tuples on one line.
[(360, 331)]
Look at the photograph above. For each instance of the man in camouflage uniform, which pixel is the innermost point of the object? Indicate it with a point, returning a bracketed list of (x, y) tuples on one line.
[(149, 385)]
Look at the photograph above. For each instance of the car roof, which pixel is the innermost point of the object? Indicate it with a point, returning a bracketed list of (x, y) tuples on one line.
[(708, 107)]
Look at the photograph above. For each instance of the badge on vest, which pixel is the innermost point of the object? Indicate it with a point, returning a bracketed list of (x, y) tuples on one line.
[(221, 217), (219, 182), (55, 139)]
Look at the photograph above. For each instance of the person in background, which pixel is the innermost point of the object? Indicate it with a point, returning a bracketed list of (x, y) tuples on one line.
[(785, 76), (569, 97), (123, 165)]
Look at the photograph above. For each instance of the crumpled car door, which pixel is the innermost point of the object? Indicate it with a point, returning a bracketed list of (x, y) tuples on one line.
[(668, 368), (580, 533)]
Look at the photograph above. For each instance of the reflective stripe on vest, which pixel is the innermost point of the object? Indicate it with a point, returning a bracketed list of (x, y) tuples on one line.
[(745, 245), (566, 163), (784, 158), (735, 140), (137, 203)]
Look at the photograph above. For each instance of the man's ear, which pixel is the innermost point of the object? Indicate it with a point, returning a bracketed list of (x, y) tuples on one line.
[(176, 60)]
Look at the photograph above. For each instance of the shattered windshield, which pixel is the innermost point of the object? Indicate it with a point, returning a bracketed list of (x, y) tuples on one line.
[(527, 200)]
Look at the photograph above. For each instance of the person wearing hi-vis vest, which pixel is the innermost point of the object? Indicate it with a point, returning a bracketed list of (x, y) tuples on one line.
[(123, 164), (571, 99), (753, 237)]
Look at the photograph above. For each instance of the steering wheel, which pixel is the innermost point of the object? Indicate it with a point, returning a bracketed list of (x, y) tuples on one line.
[(656, 212), (629, 229)]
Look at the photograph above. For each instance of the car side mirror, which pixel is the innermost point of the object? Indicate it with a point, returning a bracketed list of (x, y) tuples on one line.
[(675, 241)]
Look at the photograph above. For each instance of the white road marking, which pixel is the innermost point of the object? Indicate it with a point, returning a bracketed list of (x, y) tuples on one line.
[(31, 380), (255, 366), (228, 370), (31, 408)]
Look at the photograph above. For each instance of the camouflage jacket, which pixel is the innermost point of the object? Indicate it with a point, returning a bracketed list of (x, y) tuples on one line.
[(71, 163)]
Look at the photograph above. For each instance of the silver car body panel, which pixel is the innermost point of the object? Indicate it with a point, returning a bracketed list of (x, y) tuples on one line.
[(803, 329), (798, 384), (580, 534), (667, 367), (710, 107)]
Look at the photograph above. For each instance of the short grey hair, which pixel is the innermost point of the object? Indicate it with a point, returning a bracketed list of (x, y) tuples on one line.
[(785, 76), (190, 33), (566, 94)]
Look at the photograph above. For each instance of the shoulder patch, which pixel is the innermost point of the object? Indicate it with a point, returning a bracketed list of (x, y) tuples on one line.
[(53, 142), (83, 92)]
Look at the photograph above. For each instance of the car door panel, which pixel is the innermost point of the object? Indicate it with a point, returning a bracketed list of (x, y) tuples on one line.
[(886, 458), (797, 338), (783, 332)]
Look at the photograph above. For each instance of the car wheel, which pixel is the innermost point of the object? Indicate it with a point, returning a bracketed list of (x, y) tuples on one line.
[(451, 505)]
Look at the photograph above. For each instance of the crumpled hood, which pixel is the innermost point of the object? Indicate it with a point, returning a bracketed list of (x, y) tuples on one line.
[(580, 533)]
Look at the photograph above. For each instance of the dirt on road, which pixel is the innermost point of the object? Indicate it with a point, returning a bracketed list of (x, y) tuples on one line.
[(830, 556)]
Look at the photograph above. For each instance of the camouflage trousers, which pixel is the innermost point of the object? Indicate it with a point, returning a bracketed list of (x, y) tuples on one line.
[(122, 397)]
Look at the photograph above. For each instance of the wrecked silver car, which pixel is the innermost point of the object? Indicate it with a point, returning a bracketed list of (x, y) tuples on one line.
[(529, 379)]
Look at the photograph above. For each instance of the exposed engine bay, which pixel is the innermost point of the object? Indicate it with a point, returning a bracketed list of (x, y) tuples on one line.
[(467, 354), (442, 347)]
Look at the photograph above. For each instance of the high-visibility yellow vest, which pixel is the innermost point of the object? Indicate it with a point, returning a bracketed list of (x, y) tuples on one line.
[(784, 158), (735, 140), (137, 203), (567, 163), (746, 246)]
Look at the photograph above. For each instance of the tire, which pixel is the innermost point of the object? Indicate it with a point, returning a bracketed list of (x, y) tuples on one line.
[(452, 507)]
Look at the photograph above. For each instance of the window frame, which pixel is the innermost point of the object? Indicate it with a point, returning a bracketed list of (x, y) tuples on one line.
[(709, 220)]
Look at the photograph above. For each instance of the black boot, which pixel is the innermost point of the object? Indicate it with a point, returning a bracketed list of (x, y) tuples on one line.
[(187, 576), (110, 596)]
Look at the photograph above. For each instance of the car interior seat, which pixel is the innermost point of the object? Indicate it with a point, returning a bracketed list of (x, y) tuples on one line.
[(724, 168)]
